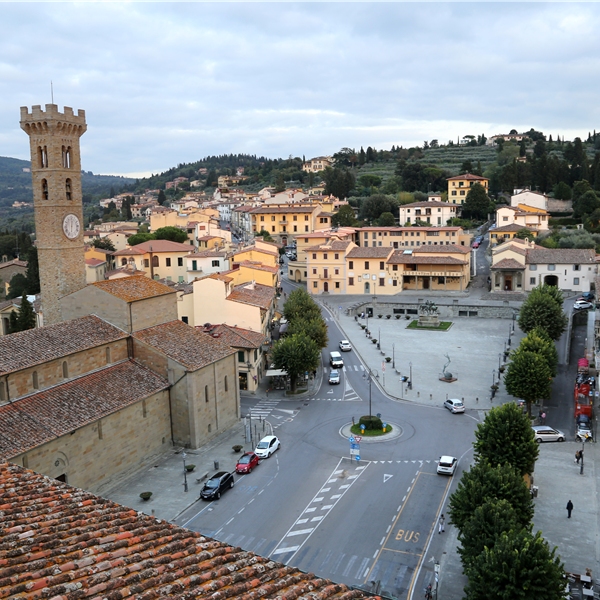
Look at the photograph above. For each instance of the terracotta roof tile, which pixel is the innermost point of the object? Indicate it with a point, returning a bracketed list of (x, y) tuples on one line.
[(65, 543), (430, 204), (270, 209), (38, 418), (185, 344), (131, 289), (513, 227), (370, 252), (508, 263), (94, 262), (36, 346), (255, 294), (236, 337), (446, 249), (207, 254), (254, 264), (15, 262), (561, 256), (330, 246), (468, 177), (156, 246)]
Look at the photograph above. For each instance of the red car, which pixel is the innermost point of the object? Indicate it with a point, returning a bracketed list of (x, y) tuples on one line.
[(246, 463), (475, 245)]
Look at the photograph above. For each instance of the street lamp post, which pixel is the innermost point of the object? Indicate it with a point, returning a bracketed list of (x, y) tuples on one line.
[(369, 375), (367, 329), (378, 338), (393, 356), (494, 377), (499, 363), (185, 485), (436, 570), (410, 376)]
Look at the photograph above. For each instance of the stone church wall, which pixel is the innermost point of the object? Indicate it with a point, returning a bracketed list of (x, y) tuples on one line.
[(93, 456)]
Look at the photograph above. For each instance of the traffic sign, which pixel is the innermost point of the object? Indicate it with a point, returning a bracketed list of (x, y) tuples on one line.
[(354, 446), (354, 451), (357, 457), (352, 439), (358, 438)]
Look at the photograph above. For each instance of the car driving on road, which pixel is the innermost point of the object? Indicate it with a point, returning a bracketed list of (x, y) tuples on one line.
[(345, 346), (267, 446), (454, 405), (447, 465), (582, 305), (216, 485), (334, 377)]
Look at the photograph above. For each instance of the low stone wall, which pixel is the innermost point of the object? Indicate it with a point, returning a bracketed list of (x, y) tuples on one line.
[(445, 311)]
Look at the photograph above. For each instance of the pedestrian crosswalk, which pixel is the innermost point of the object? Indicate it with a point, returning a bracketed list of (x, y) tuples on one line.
[(349, 395), (346, 368)]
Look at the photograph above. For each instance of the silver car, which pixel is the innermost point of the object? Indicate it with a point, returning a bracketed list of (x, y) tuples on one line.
[(454, 405), (543, 433), (334, 377)]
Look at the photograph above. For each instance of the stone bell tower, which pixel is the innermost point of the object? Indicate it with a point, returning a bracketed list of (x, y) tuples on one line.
[(56, 175)]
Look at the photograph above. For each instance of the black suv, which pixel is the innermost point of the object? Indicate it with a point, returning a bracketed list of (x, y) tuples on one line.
[(218, 483)]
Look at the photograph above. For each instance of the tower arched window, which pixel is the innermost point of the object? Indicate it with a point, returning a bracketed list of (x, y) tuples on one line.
[(36, 381), (65, 369), (205, 393), (155, 261), (42, 154), (107, 355), (68, 189), (66, 157), (44, 189), (123, 262), (226, 386)]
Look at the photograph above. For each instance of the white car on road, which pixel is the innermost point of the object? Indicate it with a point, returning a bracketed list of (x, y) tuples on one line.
[(447, 465), (454, 405)]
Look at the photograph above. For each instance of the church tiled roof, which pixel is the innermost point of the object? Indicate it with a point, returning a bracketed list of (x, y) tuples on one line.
[(41, 417), (136, 287), (65, 543), (36, 346), (185, 344)]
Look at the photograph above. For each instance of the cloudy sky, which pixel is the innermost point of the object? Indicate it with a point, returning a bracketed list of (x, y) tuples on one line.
[(168, 83)]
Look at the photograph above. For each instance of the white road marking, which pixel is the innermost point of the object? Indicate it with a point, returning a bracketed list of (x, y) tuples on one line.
[(318, 499), (316, 519), (301, 521), (299, 532), (343, 487), (327, 507), (283, 550), (310, 510), (336, 496)]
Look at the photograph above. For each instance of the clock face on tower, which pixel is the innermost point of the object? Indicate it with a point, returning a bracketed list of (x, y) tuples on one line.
[(71, 226)]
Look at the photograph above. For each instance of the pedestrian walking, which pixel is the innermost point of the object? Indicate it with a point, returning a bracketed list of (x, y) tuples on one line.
[(543, 418), (441, 524), (569, 509), (578, 456), (428, 594)]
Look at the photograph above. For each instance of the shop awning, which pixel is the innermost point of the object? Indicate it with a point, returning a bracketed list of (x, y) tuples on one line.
[(276, 373)]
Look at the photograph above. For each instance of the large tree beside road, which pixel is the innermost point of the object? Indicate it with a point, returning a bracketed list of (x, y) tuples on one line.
[(506, 437), (483, 483), (296, 354), (528, 376), (543, 309)]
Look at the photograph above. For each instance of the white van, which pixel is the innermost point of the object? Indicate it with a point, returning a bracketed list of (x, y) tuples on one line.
[(335, 360)]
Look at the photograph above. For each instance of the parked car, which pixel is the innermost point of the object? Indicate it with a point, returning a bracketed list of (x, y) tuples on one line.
[(589, 296), (345, 346), (582, 305), (454, 405), (475, 244), (267, 446), (247, 462), (543, 433), (584, 428), (216, 485), (334, 376), (447, 465)]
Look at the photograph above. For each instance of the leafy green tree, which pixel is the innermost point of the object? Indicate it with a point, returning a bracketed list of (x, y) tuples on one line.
[(16, 286), (518, 567), (524, 234), (139, 238), (528, 376), (483, 483), (344, 217), (562, 191), (542, 310), (369, 181), (296, 354), (314, 327), (580, 188), (386, 219), (161, 197), (104, 244), (585, 204), (265, 235), (32, 274), (279, 182), (338, 182), (488, 522), (477, 203), (174, 234), (300, 305), (26, 317), (374, 206), (506, 437), (538, 341)]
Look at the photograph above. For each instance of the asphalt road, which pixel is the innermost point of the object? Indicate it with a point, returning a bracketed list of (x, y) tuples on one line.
[(367, 523)]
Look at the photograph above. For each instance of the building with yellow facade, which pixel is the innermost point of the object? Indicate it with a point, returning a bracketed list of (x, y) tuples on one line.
[(459, 186)]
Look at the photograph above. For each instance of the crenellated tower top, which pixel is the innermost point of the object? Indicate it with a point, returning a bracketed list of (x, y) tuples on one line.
[(39, 121)]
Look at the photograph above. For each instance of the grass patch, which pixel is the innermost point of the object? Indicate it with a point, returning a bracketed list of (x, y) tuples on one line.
[(444, 326), (356, 430)]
